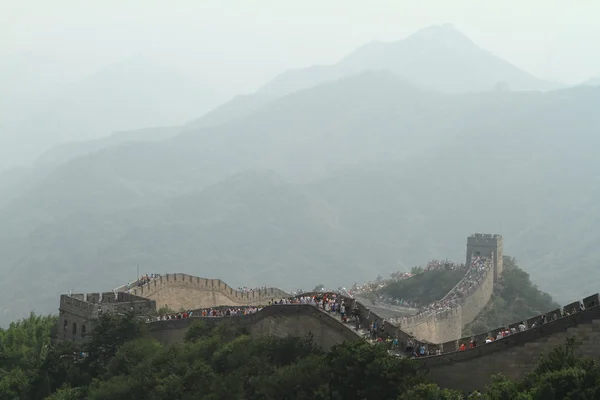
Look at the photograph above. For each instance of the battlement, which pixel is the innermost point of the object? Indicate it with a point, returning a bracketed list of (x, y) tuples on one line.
[(487, 245), (190, 292), (77, 312), (484, 237)]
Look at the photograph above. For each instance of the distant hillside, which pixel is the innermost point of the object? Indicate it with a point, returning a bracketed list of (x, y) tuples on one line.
[(71, 150), (592, 81), (128, 95), (378, 174), (438, 58)]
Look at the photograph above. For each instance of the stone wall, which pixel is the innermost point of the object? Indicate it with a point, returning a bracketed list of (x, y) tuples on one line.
[(435, 328), (472, 305), (516, 355), (178, 291), (280, 320), (487, 245), (75, 317), (448, 325)]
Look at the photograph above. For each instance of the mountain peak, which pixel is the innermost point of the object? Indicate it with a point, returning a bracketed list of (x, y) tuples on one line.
[(445, 36)]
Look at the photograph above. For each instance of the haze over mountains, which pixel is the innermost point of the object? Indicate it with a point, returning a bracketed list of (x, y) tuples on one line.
[(328, 180), (593, 81), (438, 57), (132, 94)]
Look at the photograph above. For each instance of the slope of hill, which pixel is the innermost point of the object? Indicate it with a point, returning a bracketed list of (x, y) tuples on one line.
[(128, 95), (278, 136), (593, 81), (71, 150), (438, 57), (515, 298)]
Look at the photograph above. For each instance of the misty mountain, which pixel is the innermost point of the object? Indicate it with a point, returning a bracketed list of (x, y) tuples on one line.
[(593, 81), (71, 150), (438, 58), (238, 107), (134, 173), (128, 95), (371, 174)]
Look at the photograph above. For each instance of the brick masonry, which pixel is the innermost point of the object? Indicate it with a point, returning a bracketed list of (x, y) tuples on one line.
[(516, 355), (189, 292), (297, 320)]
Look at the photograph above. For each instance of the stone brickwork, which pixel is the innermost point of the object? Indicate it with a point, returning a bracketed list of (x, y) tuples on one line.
[(77, 312), (472, 305), (487, 245), (516, 355), (178, 291), (297, 320)]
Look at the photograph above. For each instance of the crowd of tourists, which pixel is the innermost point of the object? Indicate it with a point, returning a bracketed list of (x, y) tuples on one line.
[(146, 279), (249, 290), (437, 265), (475, 273), (142, 280), (372, 288), (479, 267), (171, 316), (326, 301)]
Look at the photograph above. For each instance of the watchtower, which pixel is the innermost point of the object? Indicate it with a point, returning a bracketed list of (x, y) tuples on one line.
[(79, 311), (487, 245)]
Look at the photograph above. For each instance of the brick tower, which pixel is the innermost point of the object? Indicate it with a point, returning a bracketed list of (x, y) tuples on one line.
[(486, 244)]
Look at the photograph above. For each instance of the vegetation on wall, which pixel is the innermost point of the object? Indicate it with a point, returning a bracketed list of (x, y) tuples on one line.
[(515, 298), (424, 287)]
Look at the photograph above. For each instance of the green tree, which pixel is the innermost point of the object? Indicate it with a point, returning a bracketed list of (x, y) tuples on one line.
[(428, 391), (110, 332), (319, 288)]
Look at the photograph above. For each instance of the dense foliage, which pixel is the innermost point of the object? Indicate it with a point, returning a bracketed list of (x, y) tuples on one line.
[(515, 298), (120, 362), (424, 287)]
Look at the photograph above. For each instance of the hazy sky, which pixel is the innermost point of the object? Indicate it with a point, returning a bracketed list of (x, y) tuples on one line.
[(238, 45)]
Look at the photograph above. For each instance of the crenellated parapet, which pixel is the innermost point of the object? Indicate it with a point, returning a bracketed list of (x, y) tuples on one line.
[(77, 312), (178, 291)]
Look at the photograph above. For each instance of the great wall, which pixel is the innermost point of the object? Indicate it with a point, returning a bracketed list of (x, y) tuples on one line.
[(513, 356)]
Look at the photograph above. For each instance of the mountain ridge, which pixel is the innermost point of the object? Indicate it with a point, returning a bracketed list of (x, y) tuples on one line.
[(462, 66)]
